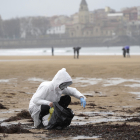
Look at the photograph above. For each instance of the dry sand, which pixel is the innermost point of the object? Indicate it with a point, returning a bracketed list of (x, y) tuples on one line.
[(19, 69)]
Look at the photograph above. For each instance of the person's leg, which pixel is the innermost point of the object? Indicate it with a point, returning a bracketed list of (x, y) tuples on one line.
[(128, 53), (65, 101), (124, 54), (44, 111), (74, 54), (43, 116), (77, 54)]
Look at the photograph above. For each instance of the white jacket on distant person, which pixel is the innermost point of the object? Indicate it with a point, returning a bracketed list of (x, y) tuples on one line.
[(49, 92)]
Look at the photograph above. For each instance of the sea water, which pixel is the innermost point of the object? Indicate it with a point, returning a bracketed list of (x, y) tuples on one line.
[(134, 50)]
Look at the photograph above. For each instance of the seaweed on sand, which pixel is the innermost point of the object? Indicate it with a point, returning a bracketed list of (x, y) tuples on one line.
[(24, 114), (74, 103), (13, 129), (107, 132), (133, 120), (2, 106)]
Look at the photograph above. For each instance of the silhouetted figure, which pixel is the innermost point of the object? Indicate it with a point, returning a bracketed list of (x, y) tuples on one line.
[(52, 51), (76, 50), (127, 48), (124, 51)]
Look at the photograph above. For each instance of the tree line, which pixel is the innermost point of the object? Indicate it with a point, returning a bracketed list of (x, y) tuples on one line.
[(28, 27)]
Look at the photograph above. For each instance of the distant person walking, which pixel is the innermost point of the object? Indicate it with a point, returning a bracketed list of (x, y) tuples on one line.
[(124, 51), (76, 50), (52, 51), (127, 50)]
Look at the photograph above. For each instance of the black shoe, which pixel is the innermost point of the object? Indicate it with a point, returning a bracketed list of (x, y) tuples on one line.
[(40, 126)]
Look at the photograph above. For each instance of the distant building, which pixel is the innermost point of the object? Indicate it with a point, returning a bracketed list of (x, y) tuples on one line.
[(98, 23), (138, 11), (115, 16), (83, 13), (91, 24), (100, 14), (75, 18), (109, 10), (77, 29), (133, 27), (130, 13), (91, 17), (59, 29)]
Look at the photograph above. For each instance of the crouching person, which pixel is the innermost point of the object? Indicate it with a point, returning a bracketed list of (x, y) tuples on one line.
[(48, 95)]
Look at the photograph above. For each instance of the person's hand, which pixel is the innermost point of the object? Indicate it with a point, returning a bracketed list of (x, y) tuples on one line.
[(51, 104), (83, 102)]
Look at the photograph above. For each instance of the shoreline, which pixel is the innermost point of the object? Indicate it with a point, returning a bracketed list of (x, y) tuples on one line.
[(89, 51)]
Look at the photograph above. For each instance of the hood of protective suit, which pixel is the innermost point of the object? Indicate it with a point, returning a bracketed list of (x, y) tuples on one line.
[(61, 77)]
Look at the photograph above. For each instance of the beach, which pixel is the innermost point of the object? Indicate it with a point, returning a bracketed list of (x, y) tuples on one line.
[(112, 83)]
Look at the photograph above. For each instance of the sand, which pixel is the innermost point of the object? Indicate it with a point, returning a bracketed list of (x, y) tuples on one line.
[(17, 92)]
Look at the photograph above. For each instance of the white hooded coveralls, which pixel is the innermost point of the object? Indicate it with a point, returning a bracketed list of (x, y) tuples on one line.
[(49, 92)]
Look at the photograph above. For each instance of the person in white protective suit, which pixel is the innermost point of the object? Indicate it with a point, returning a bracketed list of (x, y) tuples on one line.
[(49, 92)]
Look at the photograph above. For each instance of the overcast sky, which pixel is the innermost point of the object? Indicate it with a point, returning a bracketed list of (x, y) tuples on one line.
[(21, 8)]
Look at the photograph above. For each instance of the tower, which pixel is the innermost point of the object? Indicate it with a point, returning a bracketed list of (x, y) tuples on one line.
[(83, 12)]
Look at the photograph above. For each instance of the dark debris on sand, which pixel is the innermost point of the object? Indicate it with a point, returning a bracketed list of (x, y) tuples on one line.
[(24, 114), (133, 120), (17, 129), (106, 132), (91, 104), (82, 115), (74, 103), (2, 106), (137, 109)]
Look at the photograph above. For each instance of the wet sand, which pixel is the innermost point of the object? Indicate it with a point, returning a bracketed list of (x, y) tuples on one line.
[(19, 70)]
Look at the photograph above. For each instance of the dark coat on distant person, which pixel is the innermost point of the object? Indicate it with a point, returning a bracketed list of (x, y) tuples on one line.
[(76, 49), (124, 51)]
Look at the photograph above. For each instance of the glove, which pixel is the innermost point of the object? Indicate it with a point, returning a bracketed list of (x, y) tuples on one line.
[(83, 102)]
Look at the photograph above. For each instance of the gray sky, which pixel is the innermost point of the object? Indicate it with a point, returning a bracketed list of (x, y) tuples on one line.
[(21, 8)]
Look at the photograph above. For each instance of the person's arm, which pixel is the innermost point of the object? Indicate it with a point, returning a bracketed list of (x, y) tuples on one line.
[(74, 92), (40, 96)]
